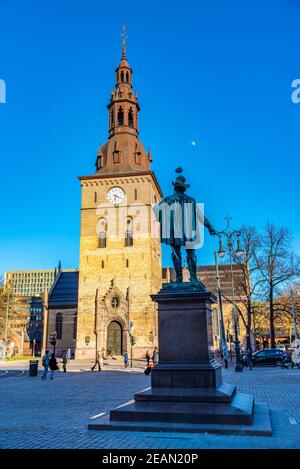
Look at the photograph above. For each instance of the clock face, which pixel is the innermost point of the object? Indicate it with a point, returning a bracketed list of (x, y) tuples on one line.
[(115, 195)]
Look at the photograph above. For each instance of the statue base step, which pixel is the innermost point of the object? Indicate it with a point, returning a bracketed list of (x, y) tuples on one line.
[(223, 393), (261, 425), (237, 412)]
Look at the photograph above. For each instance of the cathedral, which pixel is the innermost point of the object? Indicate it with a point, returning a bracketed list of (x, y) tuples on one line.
[(120, 260)]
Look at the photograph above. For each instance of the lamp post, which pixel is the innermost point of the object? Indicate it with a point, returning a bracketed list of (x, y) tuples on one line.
[(224, 347), (231, 237)]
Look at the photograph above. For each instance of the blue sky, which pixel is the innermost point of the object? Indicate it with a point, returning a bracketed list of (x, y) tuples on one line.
[(218, 73)]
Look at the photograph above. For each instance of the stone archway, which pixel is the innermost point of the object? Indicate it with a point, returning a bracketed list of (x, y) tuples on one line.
[(114, 345)]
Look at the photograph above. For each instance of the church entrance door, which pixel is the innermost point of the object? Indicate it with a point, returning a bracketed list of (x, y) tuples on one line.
[(114, 338)]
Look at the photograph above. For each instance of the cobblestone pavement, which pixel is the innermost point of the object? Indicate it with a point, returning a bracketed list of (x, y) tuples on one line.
[(55, 414)]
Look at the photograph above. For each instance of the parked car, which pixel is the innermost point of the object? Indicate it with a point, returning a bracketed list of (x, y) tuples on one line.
[(268, 356), (281, 347)]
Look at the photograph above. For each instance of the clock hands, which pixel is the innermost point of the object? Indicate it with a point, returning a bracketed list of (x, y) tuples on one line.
[(117, 198)]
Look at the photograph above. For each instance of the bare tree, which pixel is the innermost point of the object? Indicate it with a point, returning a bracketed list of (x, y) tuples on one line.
[(249, 287), (277, 265), (248, 283)]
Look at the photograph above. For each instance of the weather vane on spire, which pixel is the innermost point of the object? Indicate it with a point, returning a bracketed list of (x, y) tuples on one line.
[(124, 36)]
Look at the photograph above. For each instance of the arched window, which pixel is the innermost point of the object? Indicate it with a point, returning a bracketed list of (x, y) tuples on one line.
[(58, 326), (127, 77), (116, 153), (120, 116), (122, 76), (95, 197), (102, 233), (99, 161), (112, 118), (135, 194), (129, 232), (137, 154), (130, 117)]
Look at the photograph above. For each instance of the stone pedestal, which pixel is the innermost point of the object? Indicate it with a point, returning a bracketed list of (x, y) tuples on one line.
[(186, 357), (187, 393)]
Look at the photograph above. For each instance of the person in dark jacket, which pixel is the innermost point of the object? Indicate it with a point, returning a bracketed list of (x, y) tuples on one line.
[(64, 361), (147, 356), (97, 362), (249, 358), (155, 356), (53, 365), (45, 362)]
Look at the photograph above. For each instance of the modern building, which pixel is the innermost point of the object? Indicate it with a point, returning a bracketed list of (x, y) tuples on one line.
[(29, 289), (31, 282), (35, 325), (25, 325)]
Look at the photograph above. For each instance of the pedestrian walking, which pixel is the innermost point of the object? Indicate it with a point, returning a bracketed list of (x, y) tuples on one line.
[(97, 362), (287, 361), (296, 357), (45, 363), (126, 360), (147, 356), (64, 361), (249, 358), (69, 354), (155, 356), (53, 365)]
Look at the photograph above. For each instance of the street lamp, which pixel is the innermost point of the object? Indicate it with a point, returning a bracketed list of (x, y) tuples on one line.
[(221, 252), (224, 347), (231, 237)]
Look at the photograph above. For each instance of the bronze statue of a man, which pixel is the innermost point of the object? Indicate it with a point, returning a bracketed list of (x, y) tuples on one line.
[(179, 219)]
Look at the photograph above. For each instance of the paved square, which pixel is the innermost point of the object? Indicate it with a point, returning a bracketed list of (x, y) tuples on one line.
[(55, 414)]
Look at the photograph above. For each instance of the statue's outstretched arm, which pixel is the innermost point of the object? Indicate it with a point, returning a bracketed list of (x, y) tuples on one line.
[(202, 219), (209, 226)]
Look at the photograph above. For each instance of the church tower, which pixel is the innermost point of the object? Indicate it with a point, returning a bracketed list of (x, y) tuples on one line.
[(120, 258)]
